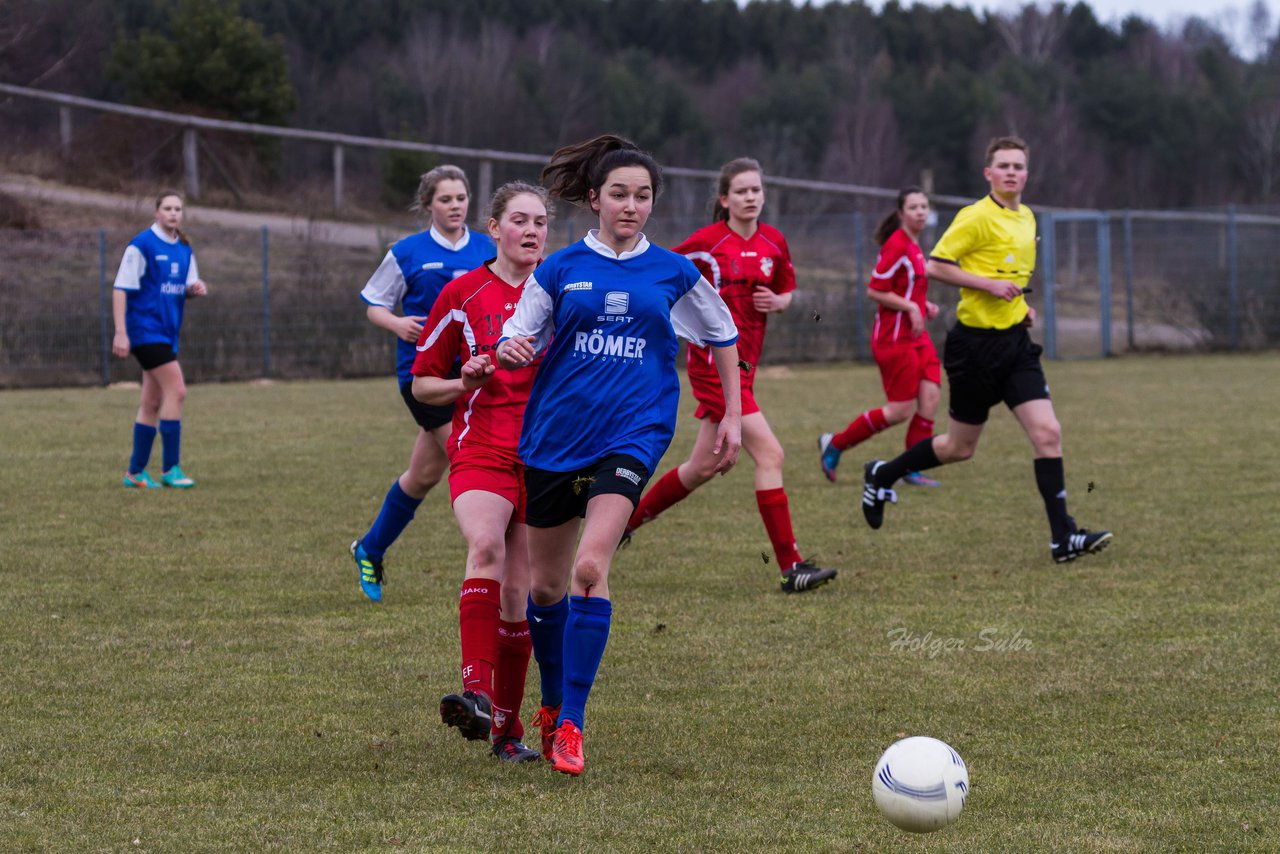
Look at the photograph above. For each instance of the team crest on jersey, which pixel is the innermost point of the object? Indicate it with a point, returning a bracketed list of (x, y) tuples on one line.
[(173, 269), (766, 267), (617, 302), (508, 307)]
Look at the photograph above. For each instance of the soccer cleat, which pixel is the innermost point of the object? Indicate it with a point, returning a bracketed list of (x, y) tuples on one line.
[(566, 749), (1081, 542), (805, 575), (873, 496), (916, 479), (545, 721), (141, 480), (370, 572), (513, 750), (470, 712), (176, 479), (830, 456)]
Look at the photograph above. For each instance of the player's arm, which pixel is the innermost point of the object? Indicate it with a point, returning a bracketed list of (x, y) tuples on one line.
[(528, 330), (128, 278), (384, 289), (950, 273), (895, 302), (195, 285), (729, 430), (439, 391)]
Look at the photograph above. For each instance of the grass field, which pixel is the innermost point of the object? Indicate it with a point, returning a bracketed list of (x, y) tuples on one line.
[(198, 671)]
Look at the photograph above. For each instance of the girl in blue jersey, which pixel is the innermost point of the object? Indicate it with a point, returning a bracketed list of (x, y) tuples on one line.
[(604, 314), (412, 275), (157, 274)]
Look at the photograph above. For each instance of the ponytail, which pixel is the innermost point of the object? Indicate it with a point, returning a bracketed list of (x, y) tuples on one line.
[(893, 220), (575, 171)]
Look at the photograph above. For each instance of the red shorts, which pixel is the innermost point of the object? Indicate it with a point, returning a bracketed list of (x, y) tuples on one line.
[(904, 365), (482, 468), (710, 396)]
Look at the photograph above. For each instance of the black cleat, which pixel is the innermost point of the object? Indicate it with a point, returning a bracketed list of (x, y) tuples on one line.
[(1081, 542), (470, 712), (805, 576), (511, 749), (625, 539), (873, 496)]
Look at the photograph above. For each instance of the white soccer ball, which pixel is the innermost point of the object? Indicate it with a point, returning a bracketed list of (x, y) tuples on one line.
[(920, 784)]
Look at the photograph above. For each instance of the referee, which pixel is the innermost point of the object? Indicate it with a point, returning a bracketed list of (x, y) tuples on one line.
[(989, 252)]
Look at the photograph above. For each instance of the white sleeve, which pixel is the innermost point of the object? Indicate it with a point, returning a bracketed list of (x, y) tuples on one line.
[(132, 268), (386, 286), (193, 272), (701, 317), (532, 317)]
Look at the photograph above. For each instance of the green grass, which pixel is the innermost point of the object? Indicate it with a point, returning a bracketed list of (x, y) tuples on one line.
[(198, 670)]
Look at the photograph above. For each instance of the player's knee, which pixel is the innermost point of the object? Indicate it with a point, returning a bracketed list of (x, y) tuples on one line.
[(699, 470), (589, 571), (1047, 438), (485, 554), (898, 411), (771, 457)]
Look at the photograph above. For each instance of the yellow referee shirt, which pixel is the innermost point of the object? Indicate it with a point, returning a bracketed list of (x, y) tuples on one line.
[(989, 240)]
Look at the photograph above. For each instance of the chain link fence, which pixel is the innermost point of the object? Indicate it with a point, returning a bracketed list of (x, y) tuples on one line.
[(286, 305)]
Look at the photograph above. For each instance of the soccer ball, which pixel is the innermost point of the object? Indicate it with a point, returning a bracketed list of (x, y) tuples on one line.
[(920, 784)]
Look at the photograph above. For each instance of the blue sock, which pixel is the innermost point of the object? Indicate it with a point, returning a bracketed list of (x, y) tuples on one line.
[(171, 441), (546, 631), (585, 636), (144, 436), (396, 514)]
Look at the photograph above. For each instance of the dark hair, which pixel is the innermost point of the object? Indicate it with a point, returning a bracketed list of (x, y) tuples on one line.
[(428, 182), (729, 171), (1005, 143), (508, 191), (893, 221), (574, 171), (160, 197)]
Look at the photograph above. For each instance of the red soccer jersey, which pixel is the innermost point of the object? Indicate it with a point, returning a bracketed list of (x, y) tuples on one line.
[(735, 266), (900, 270), (466, 320)]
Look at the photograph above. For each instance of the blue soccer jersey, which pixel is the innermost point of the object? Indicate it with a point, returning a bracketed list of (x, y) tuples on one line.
[(154, 274), (607, 383), (414, 272)]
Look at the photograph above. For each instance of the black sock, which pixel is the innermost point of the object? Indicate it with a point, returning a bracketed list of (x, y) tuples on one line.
[(919, 457), (1052, 482)]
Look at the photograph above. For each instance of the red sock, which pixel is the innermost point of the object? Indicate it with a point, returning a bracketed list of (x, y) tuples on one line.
[(478, 609), (666, 492), (919, 428), (861, 429), (514, 649), (777, 523)]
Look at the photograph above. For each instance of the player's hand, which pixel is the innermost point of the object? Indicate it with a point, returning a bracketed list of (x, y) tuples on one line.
[(917, 320), (476, 371), (197, 289), (1030, 319), (120, 345), (728, 443), (1006, 291), (409, 328), (515, 352), (765, 300), (931, 310)]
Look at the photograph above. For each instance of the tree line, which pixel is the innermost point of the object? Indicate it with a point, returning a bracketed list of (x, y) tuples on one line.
[(1118, 116)]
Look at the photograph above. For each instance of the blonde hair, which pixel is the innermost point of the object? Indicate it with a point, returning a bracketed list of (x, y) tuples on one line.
[(428, 183)]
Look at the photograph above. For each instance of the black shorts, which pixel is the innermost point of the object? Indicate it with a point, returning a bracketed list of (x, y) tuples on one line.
[(429, 415), (152, 356), (990, 366), (555, 497)]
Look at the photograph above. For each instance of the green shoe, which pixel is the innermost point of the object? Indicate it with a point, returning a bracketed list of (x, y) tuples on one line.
[(175, 478), (141, 480)]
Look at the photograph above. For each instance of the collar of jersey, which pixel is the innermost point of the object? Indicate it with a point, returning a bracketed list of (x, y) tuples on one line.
[(595, 244), (159, 232), (444, 241)]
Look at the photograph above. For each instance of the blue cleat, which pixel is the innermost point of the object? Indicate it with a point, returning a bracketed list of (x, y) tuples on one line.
[(915, 478), (830, 455), (176, 479), (141, 480), (370, 572)]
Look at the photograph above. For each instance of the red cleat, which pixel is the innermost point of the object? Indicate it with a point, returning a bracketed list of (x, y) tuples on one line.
[(566, 749), (545, 721)]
